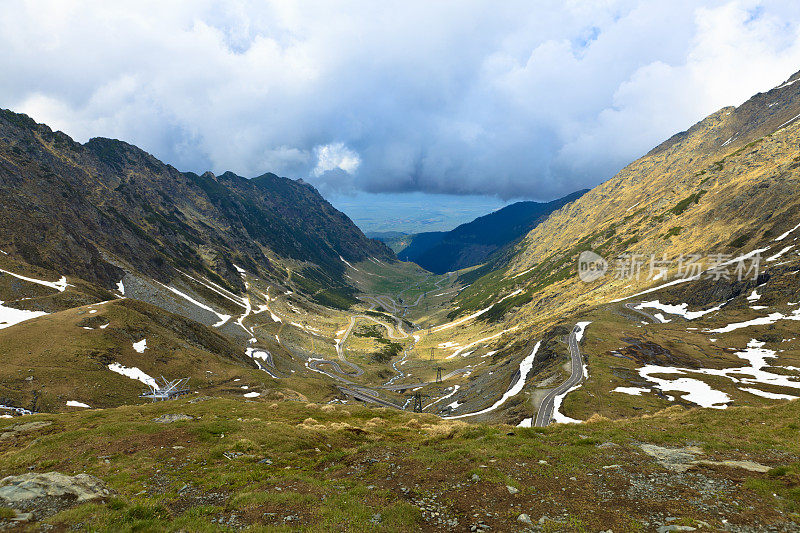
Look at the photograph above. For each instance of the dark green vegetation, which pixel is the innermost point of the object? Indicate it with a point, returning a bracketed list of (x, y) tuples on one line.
[(472, 243)]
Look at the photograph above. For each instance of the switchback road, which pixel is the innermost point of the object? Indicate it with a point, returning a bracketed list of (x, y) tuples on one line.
[(545, 414)]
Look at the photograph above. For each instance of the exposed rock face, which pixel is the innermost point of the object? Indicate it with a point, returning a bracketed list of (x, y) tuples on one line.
[(682, 459), (69, 207), (50, 492), (23, 428), (172, 417)]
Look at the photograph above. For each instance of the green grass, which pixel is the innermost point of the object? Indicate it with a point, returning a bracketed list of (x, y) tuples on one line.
[(687, 202), (336, 468)]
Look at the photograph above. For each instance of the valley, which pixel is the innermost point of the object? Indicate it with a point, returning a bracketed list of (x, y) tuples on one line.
[(353, 390)]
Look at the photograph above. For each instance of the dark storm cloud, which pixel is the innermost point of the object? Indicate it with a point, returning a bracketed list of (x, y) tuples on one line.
[(513, 99)]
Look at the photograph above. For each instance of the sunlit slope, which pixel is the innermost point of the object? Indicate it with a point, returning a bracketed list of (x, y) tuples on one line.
[(726, 185)]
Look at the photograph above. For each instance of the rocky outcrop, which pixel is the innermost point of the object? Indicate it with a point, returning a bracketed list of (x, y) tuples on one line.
[(44, 494)]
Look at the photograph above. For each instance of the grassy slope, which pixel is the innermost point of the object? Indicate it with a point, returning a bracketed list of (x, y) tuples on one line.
[(334, 468)]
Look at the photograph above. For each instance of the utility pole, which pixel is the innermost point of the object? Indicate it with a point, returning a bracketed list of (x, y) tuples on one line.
[(417, 402), (438, 374)]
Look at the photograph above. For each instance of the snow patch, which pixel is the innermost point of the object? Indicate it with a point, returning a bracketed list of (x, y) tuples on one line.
[(222, 317), (60, 285), (770, 395), (784, 235), (524, 368), (681, 310), (133, 373), (633, 391), (73, 403), (10, 316), (779, 254), (140, 346), (761, 321), (697, 391), (581, 327)]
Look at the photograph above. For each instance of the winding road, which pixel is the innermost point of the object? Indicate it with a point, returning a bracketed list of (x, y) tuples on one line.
[(647, 315), (545, 413)]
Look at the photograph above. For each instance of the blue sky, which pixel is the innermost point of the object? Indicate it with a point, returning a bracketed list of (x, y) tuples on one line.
[(369, 100)]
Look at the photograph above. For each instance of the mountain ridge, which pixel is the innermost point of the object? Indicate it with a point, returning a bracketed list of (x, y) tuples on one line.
[(160, 215), (473, 242)]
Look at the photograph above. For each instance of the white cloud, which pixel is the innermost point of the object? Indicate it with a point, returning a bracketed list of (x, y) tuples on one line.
[(335, 156), (464, 97)]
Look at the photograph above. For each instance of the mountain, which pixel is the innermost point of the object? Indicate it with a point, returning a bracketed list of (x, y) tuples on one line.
[(663, 370), (116, 268), (472, 243), (86, 210), (694, 304), (396, 240)]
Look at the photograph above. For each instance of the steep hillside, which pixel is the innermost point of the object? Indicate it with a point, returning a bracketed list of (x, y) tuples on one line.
[(472, 243), (697, 305), (725, 186), (88, 210)]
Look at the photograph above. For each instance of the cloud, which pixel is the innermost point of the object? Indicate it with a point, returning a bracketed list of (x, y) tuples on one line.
[(465, 97), (335, 156)]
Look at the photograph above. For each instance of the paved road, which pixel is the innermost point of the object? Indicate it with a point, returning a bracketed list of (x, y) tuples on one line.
[(364, 396), (545, 414), (632, 307)]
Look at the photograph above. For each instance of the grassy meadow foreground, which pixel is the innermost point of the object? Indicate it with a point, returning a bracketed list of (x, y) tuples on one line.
[(280, 466)]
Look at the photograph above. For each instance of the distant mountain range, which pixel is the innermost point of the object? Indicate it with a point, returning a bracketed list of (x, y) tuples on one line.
[(472, 243)]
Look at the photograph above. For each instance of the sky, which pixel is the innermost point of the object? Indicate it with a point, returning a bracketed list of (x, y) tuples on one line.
[(370, 100)]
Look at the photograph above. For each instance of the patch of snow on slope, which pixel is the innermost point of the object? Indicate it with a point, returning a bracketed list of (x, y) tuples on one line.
[(10, 316), (698, 392), (790, 120), (787, 84), (448, 395), (681, 310), (524, 367), (60, 285), (133, 373), (140, 346), (120, 288), (754, 353), (559, 418), (461, 349), (252, 395), (222, 317), (73, 403), (784, 235), (754, 296), (770, 395), (581, 327), (779, 254), (348, 264), (761, 321), (661, 318), (633, 391)]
